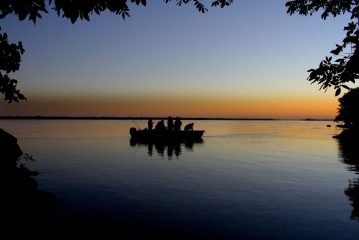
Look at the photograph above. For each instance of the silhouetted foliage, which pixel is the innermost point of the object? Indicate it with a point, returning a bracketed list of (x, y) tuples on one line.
[(10, 54), (342, 67), (348, 113), (10, 58), (74, 9)]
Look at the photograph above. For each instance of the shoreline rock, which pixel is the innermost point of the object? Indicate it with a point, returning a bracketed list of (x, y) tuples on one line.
[(10, 151)]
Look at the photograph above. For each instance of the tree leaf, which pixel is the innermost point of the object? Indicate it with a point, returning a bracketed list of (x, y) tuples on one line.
[(337, 92)]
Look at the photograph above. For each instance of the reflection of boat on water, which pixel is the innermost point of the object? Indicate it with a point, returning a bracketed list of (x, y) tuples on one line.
[(165, 135), (169, 147)]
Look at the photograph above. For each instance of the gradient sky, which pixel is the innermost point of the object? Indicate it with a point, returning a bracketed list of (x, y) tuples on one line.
[(247, 60)]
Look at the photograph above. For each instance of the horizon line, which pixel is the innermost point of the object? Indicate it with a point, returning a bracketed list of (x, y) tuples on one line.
[(41, 117)]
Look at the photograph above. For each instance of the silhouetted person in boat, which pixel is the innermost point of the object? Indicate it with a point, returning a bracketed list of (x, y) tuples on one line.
[(150, 124), (160, 125), (170, 123), (189, 127), (178, 124)]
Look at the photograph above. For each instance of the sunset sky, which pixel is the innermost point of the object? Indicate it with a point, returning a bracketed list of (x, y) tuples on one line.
[(247, 60)]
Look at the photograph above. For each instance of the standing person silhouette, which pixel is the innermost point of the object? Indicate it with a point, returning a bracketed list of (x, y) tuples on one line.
[(169, 123), (178, 124), (150, 124)]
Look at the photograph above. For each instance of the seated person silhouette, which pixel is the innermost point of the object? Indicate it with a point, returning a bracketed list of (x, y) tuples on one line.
[(177, 124), (189, 127), (160, 125)]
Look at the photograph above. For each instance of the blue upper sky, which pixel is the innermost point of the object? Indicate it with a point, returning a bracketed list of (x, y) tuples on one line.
[(251, 49)]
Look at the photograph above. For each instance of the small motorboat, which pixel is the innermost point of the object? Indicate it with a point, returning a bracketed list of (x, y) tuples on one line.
[(165, 135)]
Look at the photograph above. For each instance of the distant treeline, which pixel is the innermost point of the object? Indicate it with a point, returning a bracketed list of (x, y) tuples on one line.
[(145, 118)]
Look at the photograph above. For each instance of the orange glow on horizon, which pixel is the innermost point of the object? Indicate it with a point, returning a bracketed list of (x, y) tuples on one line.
[(284, 107)]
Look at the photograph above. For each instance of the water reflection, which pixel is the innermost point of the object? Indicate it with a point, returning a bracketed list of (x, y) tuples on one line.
[(349, 154), (163, 148)]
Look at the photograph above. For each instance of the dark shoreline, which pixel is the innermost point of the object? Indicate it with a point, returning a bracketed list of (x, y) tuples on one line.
[(155, 118)]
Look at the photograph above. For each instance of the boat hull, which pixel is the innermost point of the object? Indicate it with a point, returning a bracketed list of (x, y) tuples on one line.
[(165, 135)]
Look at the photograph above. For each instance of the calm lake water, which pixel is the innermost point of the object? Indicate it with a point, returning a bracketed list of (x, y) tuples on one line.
[(246, 180)]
